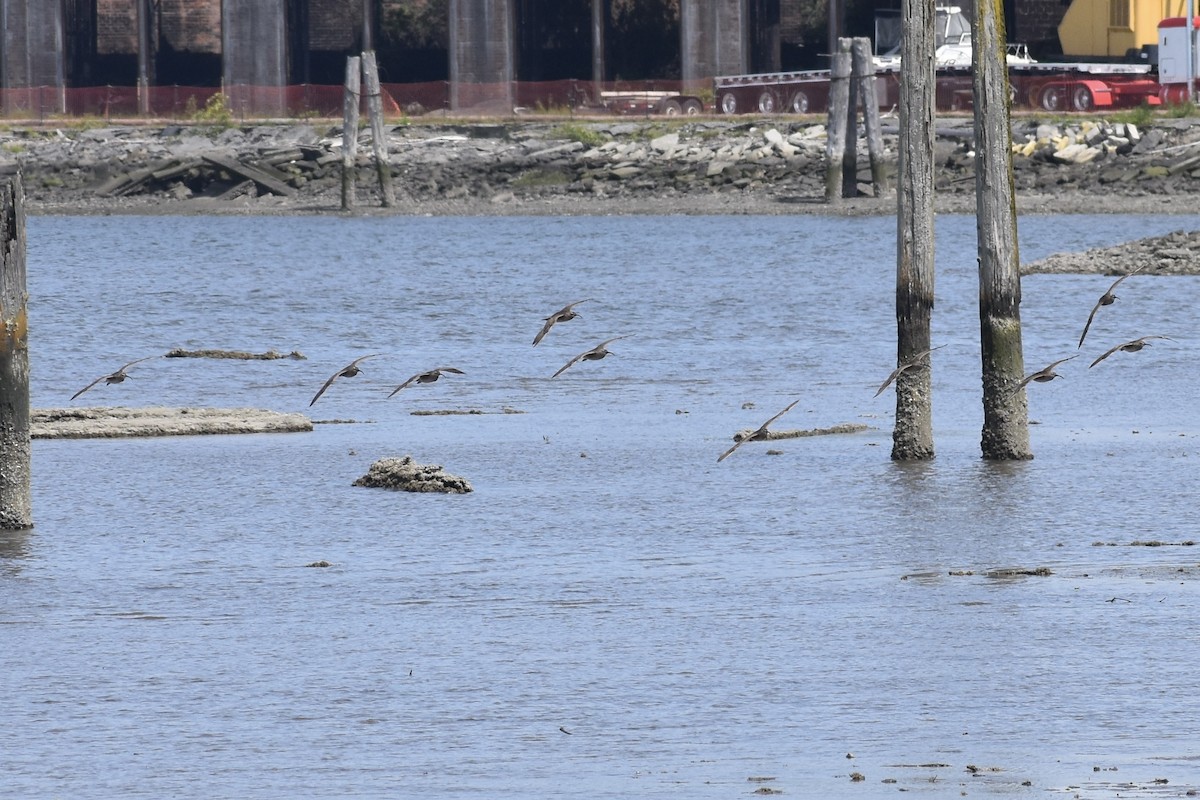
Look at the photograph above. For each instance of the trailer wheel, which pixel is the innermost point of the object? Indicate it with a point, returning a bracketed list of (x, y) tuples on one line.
[(693, 107), (1082, 100), (766, 102), (672, 108), (728, 103), (1054, 98), (799, 104)]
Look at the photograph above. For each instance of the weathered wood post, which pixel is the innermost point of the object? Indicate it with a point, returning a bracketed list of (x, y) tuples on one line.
[(378, 135), (850, 159), (835, 126), (864, 75), (350, 102), (16, 506), (1005, 413), (912, 437)]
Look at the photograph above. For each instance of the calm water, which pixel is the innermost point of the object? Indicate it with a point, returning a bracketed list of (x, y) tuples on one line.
[(693, 625)]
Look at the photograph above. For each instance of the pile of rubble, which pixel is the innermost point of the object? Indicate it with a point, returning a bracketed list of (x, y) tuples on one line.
[(407, 475)]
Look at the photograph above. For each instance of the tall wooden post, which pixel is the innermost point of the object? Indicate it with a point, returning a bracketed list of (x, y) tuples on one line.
[(350, 132), (864, 75), (912, 438), (835, 127), (16, 506), (378, 135), (1005, 414), (850, 159)]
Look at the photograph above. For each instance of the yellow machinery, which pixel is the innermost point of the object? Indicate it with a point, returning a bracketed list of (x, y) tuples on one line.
[(1111, 28)]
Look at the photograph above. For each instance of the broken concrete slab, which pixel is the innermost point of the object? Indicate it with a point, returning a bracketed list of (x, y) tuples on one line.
[(114, 423)]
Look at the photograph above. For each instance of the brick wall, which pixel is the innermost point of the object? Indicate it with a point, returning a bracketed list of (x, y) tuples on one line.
[(335, 25), (1037, 21), (116, 27), (192, 26)]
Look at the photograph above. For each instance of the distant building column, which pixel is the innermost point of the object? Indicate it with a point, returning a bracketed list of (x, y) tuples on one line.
[(715, 38), (481, 54), (254, 55), (34, 54)]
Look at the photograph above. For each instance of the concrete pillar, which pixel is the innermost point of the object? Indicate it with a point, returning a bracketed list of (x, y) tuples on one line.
[(481, 54), (254, 55), (34, 53), (715, 38)]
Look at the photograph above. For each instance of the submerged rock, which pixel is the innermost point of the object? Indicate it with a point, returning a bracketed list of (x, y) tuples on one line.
[(407, 475)]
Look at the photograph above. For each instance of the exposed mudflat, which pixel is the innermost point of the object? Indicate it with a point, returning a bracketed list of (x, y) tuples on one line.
[(109, 423)]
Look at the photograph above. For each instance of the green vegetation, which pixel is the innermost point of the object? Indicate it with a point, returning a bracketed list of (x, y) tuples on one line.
[(1181, 110), (1141, 116), (535, 178), (579, 133), (215, 112)]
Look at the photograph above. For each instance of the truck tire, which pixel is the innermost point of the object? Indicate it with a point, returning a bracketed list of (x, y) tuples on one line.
[(766, 102), (1054, 98), (799, 103), (693, 107), (1082, 100), (728, 104), (672, 108)]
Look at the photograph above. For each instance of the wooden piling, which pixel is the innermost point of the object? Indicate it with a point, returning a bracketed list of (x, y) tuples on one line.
[(378, 135), (912, 437), (16, 505), (863, 72), (835, 127), (350, 132), (1005, 413), (850, 159)]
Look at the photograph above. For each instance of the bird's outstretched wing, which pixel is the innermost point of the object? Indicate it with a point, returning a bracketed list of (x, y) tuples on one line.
[(556, 317), (908, 365), (1100, 302), (761, 430), (338, 374), (595, 349), (120, 370), (1043, 372), (408, 382), (1140, 340)]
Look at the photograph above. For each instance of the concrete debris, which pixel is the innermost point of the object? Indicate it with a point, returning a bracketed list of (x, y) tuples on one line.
[(113, 423)]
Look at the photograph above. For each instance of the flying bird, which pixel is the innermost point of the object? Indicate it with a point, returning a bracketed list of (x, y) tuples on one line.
[(348, 371), (1128, 347), (1106, 299), (1043, 375), (427, 377), (595, 354), (113, 377), (758, 435), (564, 314), (913, 362)]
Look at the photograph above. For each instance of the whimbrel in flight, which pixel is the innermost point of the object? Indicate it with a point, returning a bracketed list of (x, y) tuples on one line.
[(913, 362), (564, 314), (427, 377), (595, 354), (757, 435), (1128, 347), (348, 371), (1106, 299), (1043, 375), (113, 377)]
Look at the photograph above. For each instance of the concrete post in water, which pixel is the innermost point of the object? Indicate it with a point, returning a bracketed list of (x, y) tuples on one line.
[(378, 135), (350, 132), (835, 127), (864, 75), (912, 438), (1005, 414), (16, 506)]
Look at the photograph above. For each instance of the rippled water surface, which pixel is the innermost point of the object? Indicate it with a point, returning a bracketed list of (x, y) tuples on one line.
[(696, 627)]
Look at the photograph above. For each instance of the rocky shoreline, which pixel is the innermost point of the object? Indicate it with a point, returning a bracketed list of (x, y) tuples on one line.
[(599, 166)]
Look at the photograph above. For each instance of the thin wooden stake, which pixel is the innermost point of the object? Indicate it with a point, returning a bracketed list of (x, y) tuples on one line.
[(1005, 413), (350, 102), (864, 75), (378, 135), (16, 505), (835, 127), (912, 437)]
